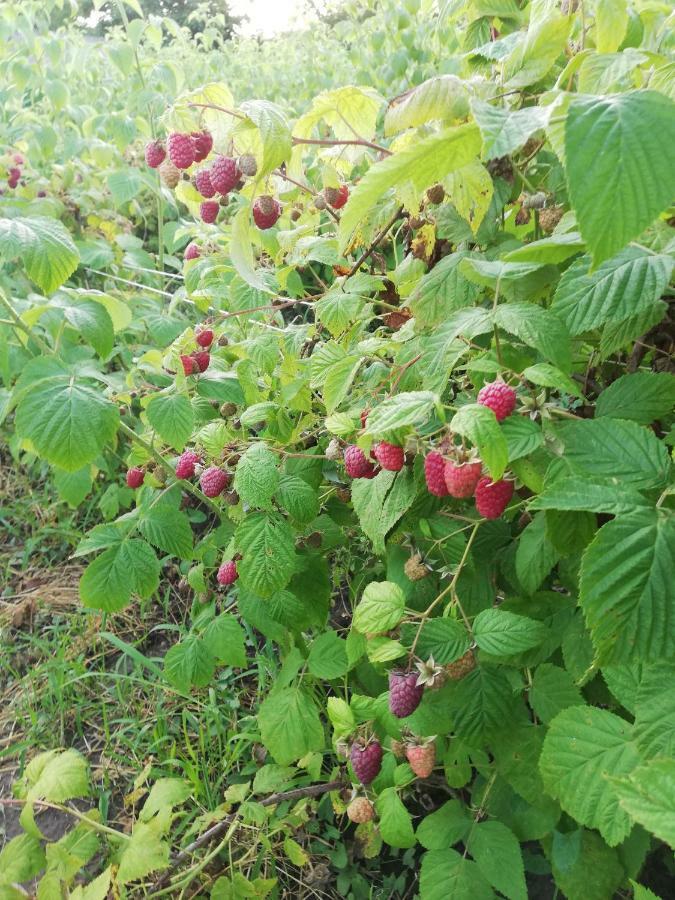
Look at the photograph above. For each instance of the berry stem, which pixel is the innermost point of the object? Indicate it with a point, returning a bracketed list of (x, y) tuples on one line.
[(17, 322), (374, 243)]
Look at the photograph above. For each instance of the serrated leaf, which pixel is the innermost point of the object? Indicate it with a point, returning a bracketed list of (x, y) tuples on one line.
[(130, 567), (172, 418), (396, 825), (165, 794), (470, 190), (547, 375), (504, 130), (502, 633), (225, 639), (553, 249), (328, 656), (21, 858), (446, 873), (44, 246), (338, 381), (582, 747), (146, 852), (647, 794), (268, 549), (189, 664), (641, 397), (166, 528), (553, 689), (618, 177), (535, 555), (290, 726), (380, 502), (257, 476), (443, 97), (624, 591), (479, 424), (274, 130), (444, 827), (444, 639), (572, 492), (480, 704), (401, 411), (441, 291), (496, 850), (94, 324), (539, 48), (380, 608), (537, 327)]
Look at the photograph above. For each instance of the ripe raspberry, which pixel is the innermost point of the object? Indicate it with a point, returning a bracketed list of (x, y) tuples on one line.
[(224, 174), (390, 456), (434, 469), (192, 251), (460, 667), (181, 150), (405, 694), (498, 397), (202, 143), (213, 481), (204, 184), (356, 464), (169, 174), (337, 197), (227, 573), (266, 211), (135, 477), (414, 568), (492, 497), (247, 165), (208, 210), (13, 178), (360, 810), (421, 758), (204, 338), (155, 154), (190, 366), (366, 761), (185, 467), (461, 480), (202, 358)]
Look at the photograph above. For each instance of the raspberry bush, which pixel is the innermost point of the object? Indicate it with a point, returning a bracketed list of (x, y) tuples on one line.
[(405, 417)]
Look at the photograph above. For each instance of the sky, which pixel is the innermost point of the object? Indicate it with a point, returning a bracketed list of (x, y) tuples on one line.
[(268, 17)]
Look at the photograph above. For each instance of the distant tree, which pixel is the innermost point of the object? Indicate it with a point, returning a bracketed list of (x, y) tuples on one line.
[(192, 14)]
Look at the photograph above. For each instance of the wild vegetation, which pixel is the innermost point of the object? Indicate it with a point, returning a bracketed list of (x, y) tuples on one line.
[(336, 481)]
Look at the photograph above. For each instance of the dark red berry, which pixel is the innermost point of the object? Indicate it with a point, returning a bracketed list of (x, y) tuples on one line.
[(366, 761), (208, 210), (461, 480), (192, 251), (266, 211), (202, 143), (181, 150), (434, 472), (389, 456), (185, 467), (135, 477), (337, 197), (224, 174), (190, 365), (498, 397), (204, 184), (204, 338), (202, 358), (155, 154), (213, 481), (227, 573), (356, 463), (492, 497), (404, 693)]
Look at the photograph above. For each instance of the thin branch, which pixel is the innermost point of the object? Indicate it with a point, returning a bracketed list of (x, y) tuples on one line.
[(18, 322), (96, 826), (373, 245)]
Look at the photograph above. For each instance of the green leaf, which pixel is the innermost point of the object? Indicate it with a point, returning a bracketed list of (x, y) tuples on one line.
[(73, 487), (535, 555), (549, 376), (624, 588), (641, 397), (537, 327), (274, 130), (443, 97), (470, 189), (502, 633), (20, 859), (290, 726), (396, 825), (631, 281), (647, 794), (144, 853), (550, 250), (445, 827), (441, 291), (44, 247), (172, 418), (58, 776), (124, 185), (447, 874), (380, 502), (339, 380), (108, 582), (536, 53), (225, 639), (166, 528), (93, 322), (623, 451), (595, 874), (655, 710), (67, 419), (424, 163), (582, 747), (619, 179), (611, 21), (257, 476), (380, 609), (444, 639), (572, 492), (328, 656), (401, 411), (553, 689), (642, 893), (480, 704), (504, 130), (189, 663), (298, 498), (496, 851), (479, 424), (268, 548), (523, 436)]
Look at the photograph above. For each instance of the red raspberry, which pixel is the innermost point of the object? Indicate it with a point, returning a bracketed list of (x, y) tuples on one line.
[(405, 694), (227, 573), (366, 761), (213, 481), (155, 154), (461, 480), (135, 477), (208, 210), (185, 467), (224, 174), (204, 184), (202, 358), (181, 150), (192, 251), (492, 497), (422, 758), (337, 197), (360, 810), (356, 464), (202, 143), (434, 472), (266, 211), (42, 193), (190, 366), (389, 456), (13, 177), (498, 397), (204, 338)]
